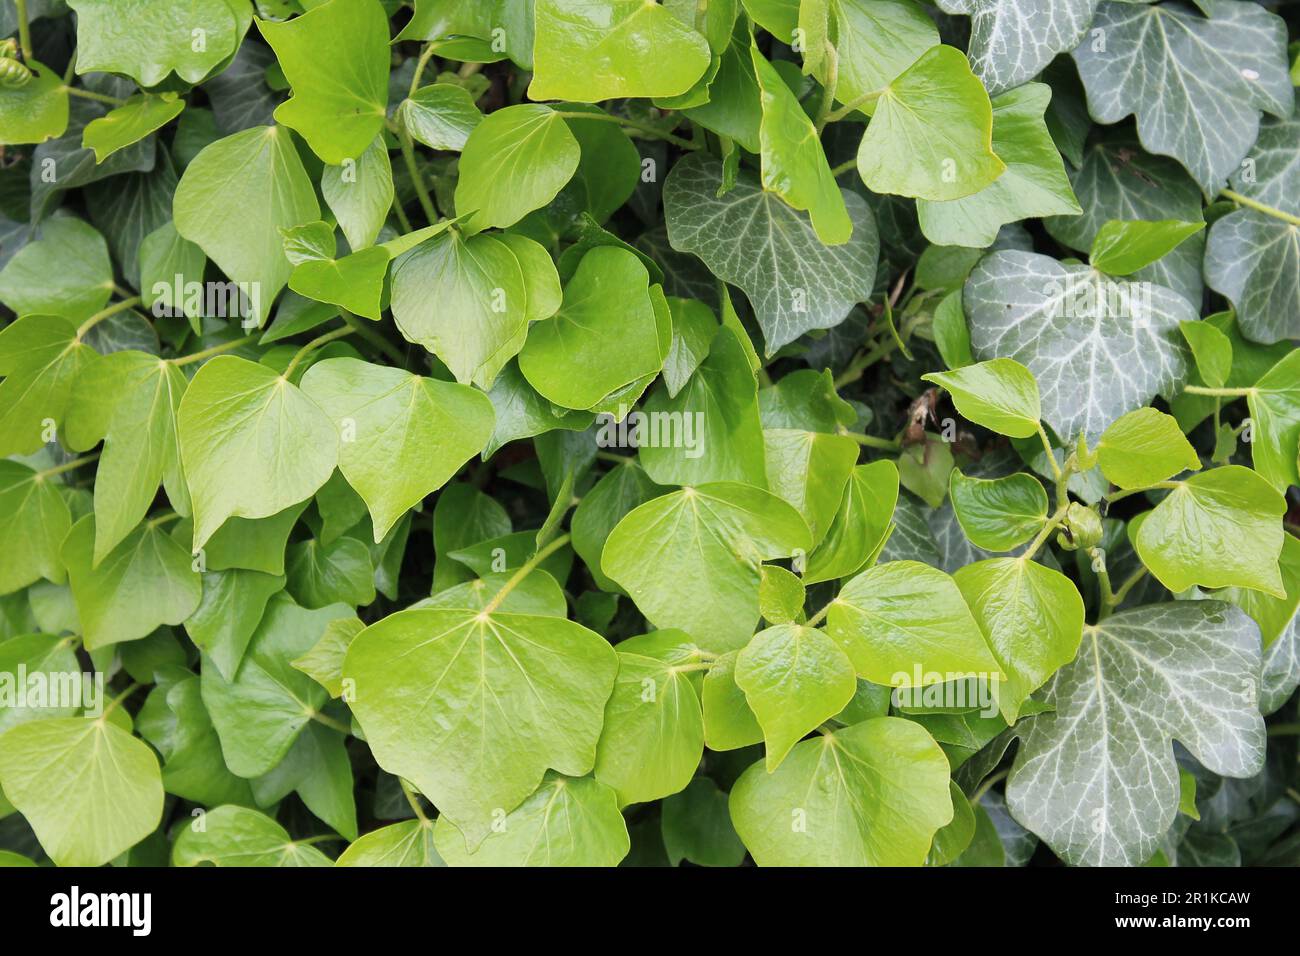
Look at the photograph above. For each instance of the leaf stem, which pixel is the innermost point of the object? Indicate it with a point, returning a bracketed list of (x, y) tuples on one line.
[(820, 615), (1107, 602), (853, 105), (1120, 496), (111, 311), (1127, 586), (1258, 206), (214, 350), (417, 178), (844, 167), (989, 783), (1052, 524), (425, 55), (1057, 474), (525, 569), (373, 337), (637, 125), (163, 518), (24, 30), (319, 838), (1284, 730), (66, 466), (871, 441), (97, 97), (331, 723), (828, 91), (112, 705), (1218, 392), (413, 799), (855, 369), (312, 346), (402, 219), (691, 668)]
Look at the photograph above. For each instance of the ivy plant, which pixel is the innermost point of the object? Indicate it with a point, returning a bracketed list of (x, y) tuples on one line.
[(619, 432)]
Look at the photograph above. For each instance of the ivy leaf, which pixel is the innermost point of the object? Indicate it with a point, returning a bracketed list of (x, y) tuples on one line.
[(406, 434), (1187, 670), (148, 39), (238, 836), (1032, 618), (931, 135), (794, 678), (750, 238), (324, 662), (592, 50), (465, 300), (163, 255), (259, 713), (721, 433), (234, 601), (66, 272), (516, 160), (604, 336), (567, 822), (1196, 84), (697, 827), (360, 194), (826, 805), (794, 164), (518, 694), (252, 444), (875, 41), (904, 625), (440, 116), (62, 775), (1274, 404), (1212, 350), (1013, 40), (1276, 616), (602, 508), (690, 559), (810, 471), (130, 123), (138, 427), (998, 514), (653, 735), (409, 843), (1251, 257), (1144, 447), (999, 394), (1062, 321), (1217, 529), (861, 524), (138, 586), (335, 56), (323, 574), (1034, 183), (233, 200), (36, 111), (1119, 180), (34, 519), (781, 595), (194, 768), (38, 654), (1123, 247)]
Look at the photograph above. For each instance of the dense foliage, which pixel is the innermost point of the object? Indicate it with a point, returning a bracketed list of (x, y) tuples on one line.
[(591, 431)]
